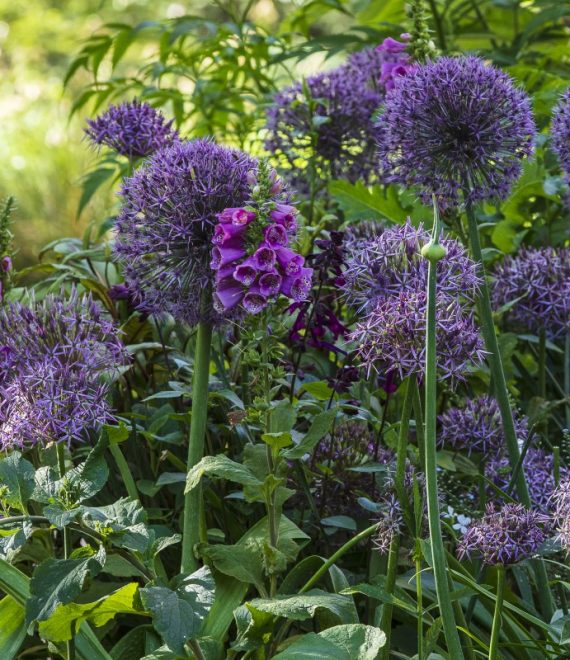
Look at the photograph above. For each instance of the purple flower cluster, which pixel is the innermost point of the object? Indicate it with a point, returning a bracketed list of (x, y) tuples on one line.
[(561, 512), (56, 360), (330, 116), (535, 285), (477, 427), (167, 222), (251, 255), (505, 536), (455, 127), (132, 129), (386, 279), (561, 133)]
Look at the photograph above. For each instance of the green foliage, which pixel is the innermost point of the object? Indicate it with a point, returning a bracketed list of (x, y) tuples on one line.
[(342, 642)]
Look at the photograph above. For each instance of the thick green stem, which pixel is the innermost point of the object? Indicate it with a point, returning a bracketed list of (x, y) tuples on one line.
[(496, 629), (193, 499), (124, 471), (502, 396), (567, 378)]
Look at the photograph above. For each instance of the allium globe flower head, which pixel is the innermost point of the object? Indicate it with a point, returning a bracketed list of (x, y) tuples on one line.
[(504, 536), (477, 427), (561, 133), (57, 360), (455, 127), (386, 279), (535, 284), (251, 255), (560, 503), (131, 129), (167, 222)]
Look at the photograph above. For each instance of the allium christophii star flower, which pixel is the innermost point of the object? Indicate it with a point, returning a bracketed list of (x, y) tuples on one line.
[(330, 117), (251, 255), (561, 133), (132, 129), (454, 127), (505, 536), (57, 358), (477, 427), (167, 221), (535, 284), (386, 279), (561, 512)]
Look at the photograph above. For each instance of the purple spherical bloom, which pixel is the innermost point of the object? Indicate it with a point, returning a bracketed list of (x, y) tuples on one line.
[(535, 285), (561, 133), (505, 536), (455, 127), (132, 129), (6, 264), (560, 504), (59, 358), (167, 222), (477, 427)]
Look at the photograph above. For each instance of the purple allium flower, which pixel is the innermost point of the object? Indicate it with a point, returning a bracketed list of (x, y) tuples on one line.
[(505, 536), (455, 126), (59, 358), (535, 284), (166, 225), (561, 133), (132, 129), (386, 279), (561, 512), (477, 426)]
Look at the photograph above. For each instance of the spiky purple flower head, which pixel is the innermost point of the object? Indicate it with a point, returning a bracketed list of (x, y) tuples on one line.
[(504, 536), (132, 129), (455, 127), (560, 503), (535, 284), (477, 427), (167, 221), (386, 279), (561, 133), (57, 359)]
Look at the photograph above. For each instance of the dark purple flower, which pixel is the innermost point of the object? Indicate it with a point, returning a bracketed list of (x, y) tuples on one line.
[(453, 127), (561, 133), (535, 287), (477, 427), (504, 536), (6, 264), (167, 221), (132, 129)]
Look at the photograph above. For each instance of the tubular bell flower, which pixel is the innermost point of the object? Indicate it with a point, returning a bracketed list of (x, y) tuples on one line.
[(167, 221), (477, 427), (505, 536), (455, 126), (536, 286), (58, 359), (561, 133), (131, 129), (386, 279)]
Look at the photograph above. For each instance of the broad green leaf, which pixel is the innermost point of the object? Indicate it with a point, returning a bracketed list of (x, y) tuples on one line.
[(282, 417), (361, 202), (319, 428), (12, 628), (178, 613), (243, 562), (123, 523), (318, 389), (342, 522), (220, 467), (344, 642), (137, 643), (304, 606), (117, 434), (277, 440), (16, 481)]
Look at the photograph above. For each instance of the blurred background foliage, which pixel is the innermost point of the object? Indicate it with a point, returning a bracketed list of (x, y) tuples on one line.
[(213, 66)]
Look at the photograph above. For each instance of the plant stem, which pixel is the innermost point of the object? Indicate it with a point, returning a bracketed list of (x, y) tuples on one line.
[(387, 608), (502, 396), (437, 548), (542, 374), (419, 600), (496, 629), (193, 499), (124, 471), (567, 377), (438, 26)]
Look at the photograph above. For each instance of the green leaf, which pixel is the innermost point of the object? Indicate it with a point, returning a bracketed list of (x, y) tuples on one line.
[(178, 613), (17, 481), (91, 183), (304, 606), (12, 630), (123, 523), (66, 619), (319, 428), (137, 643), (277, 440), (342, 522), (319, 389), (359, 201), (243, 562), (343, 642), (117, 434), (220, 467), (282, 417), (60, 581)]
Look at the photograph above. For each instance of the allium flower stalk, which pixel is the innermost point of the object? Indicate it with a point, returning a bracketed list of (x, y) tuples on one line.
[(535, 284), (456, 127), (133, 129), (504, 536), (329, 118), (57, 361), (386, 280), (561, 133), (167, 222), (251, 255)]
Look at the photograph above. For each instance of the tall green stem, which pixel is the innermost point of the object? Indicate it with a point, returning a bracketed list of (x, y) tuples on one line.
[(193, 499), (124, 471), (567, 377), (542, 375), (496, 629), (433, 253), (502, 396), (419, 600)]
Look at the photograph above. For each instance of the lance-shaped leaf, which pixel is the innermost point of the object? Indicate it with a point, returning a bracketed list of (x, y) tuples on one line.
[(221, 467)]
